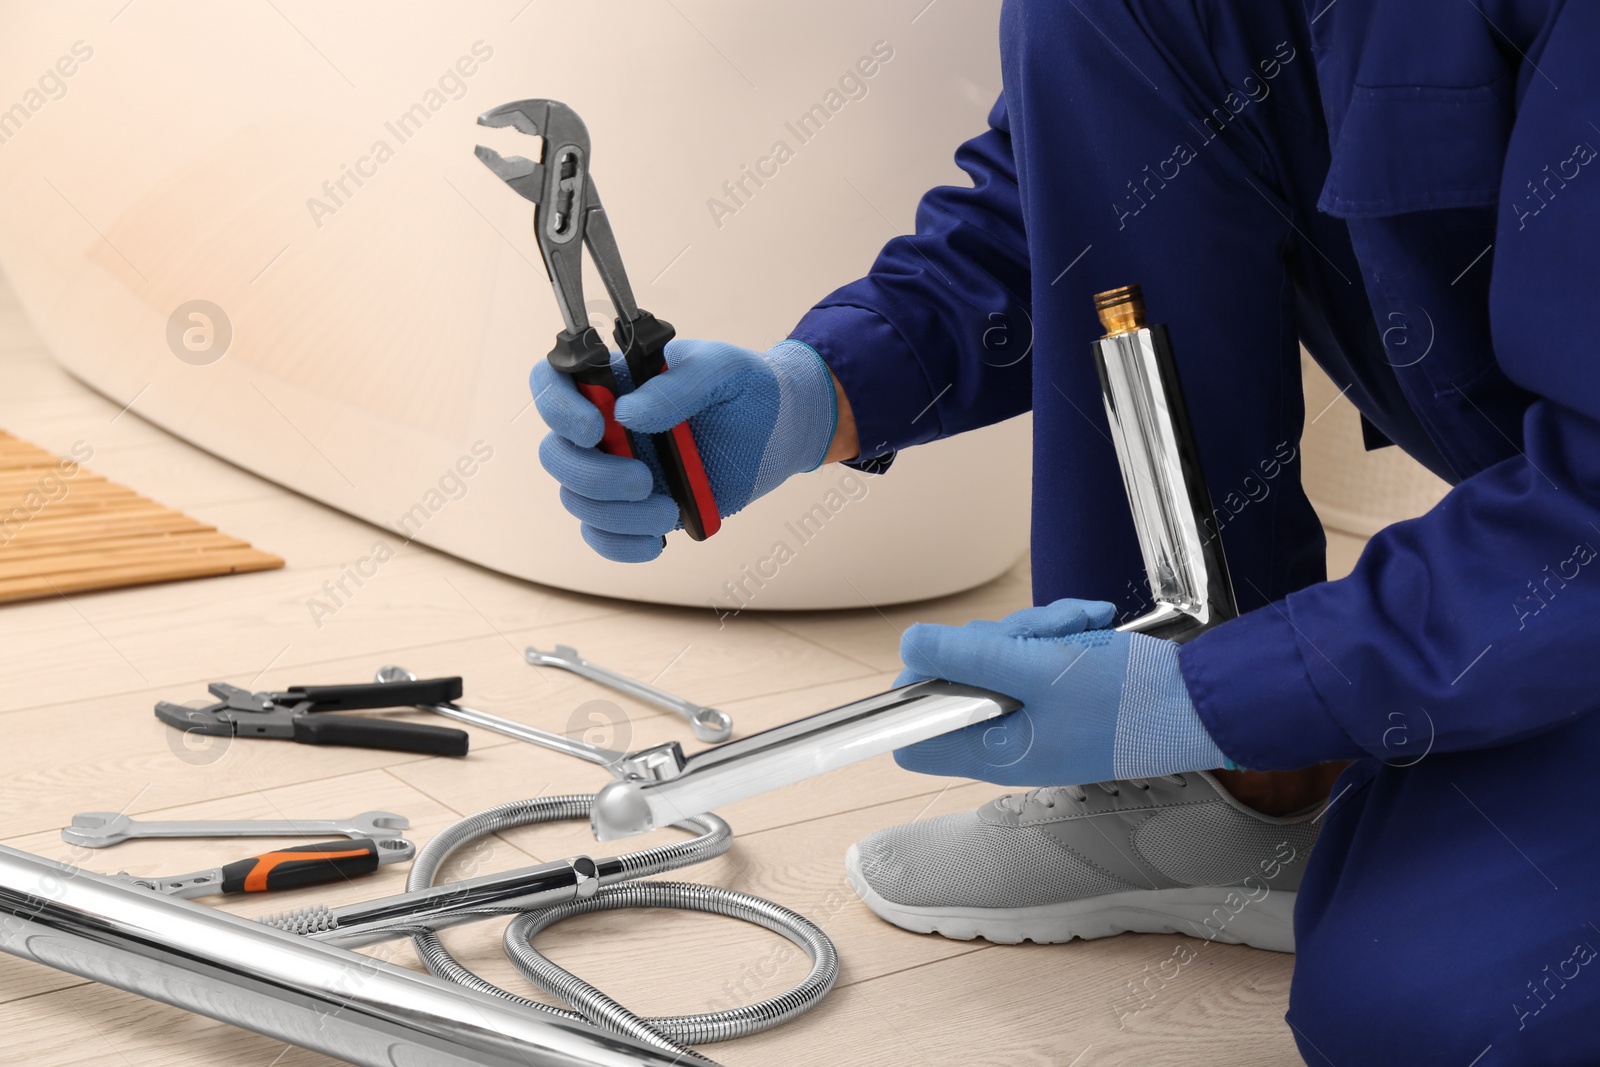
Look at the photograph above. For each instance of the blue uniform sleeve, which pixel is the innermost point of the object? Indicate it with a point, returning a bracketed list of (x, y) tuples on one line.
[(934, 340), (1475, 625)]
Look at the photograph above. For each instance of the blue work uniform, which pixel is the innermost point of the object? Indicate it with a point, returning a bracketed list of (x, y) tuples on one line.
[(1411, 189)]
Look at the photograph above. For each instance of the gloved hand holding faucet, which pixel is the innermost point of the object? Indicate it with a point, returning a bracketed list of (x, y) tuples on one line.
[(1097, 703)]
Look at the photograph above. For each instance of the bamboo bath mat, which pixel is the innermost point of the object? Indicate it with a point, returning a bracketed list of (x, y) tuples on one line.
[(66, 530)]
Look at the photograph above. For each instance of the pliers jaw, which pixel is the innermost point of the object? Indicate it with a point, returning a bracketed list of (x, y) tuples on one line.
[(262, 718), (539, 117), (559, 187), (563, 196), (522, 174)]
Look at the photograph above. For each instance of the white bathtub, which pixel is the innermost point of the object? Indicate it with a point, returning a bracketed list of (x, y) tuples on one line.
[(386, 303)]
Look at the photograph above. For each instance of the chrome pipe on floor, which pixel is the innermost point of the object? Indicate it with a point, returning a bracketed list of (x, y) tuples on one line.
[(294, 989), (1187, 571)]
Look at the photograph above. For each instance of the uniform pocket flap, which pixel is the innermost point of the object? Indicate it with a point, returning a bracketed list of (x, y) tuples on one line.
[(1409, 148)]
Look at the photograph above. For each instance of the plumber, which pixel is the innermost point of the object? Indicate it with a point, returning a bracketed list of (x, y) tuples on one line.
[(1391, 184)]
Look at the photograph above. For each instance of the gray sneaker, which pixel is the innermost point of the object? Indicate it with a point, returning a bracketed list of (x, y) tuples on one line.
[(1153, 855)]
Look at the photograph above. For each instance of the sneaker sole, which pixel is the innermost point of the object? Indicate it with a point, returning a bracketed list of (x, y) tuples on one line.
[(1198, 911)]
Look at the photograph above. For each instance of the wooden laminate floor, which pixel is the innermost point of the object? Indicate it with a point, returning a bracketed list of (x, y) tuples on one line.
[(78, 676)]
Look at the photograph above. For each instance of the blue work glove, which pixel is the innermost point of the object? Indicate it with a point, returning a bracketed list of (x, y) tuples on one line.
[(1096, 704), (757, 420)]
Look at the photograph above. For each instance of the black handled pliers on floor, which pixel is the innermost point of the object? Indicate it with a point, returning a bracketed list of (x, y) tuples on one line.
[(300, 713), (567, 217)]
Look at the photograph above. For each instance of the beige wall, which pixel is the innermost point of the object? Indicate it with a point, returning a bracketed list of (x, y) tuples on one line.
[(1356, 492)]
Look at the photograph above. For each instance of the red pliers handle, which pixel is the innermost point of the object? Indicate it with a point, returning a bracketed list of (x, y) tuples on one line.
[(584, 358), (643, 341)]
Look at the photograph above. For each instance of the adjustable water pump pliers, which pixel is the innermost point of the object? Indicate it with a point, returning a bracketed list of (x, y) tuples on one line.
[(567, 216)]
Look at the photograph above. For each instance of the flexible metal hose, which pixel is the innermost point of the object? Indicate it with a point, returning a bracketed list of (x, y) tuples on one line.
[(618, 890), (687, 896)]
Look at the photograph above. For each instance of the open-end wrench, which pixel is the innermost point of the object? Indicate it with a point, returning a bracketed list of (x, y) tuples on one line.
[(708, 724), (649, 763), (98, 829)]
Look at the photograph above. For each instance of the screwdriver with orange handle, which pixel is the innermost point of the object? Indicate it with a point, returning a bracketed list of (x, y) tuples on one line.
[(285, 868)]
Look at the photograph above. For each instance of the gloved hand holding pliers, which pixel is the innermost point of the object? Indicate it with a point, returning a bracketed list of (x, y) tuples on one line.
[(640, 452), (759, 419)]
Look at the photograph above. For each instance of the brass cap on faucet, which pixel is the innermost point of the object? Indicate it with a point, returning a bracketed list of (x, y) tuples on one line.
[(1121, 310)]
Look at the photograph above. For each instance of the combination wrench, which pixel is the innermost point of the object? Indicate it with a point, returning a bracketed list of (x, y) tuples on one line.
[(99, 829), (648, 763), (708, 724)]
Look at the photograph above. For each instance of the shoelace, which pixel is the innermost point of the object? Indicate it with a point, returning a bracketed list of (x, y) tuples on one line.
[(1017, 802)]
